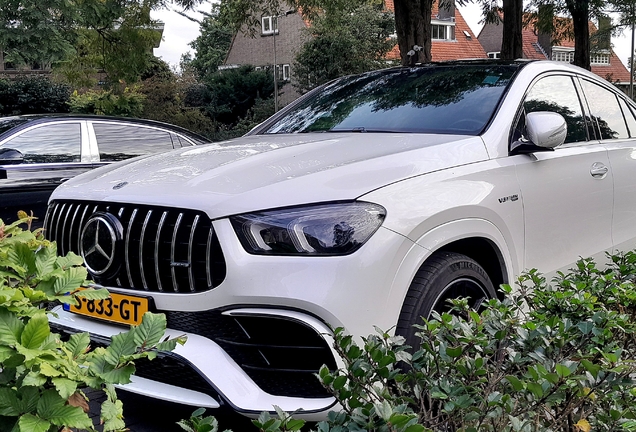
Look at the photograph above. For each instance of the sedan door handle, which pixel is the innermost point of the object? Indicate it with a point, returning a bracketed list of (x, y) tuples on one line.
[(599, 170)]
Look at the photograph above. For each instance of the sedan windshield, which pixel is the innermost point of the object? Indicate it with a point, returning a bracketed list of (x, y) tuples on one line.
[(446, 99)]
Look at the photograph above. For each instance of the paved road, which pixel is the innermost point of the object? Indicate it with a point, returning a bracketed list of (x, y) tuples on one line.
[(143, 414)]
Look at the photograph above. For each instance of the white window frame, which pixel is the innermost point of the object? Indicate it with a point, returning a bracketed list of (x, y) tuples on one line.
[(494, 55), (286, 72), (600, 58), (271, 23), (564, 55), (449, 30)]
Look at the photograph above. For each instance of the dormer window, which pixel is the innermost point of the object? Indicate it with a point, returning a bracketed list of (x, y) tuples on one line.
[(565, 55), (269, 25), (600, 58), (442, 30)]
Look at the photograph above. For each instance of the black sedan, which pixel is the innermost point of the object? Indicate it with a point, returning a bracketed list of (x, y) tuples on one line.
[(38, 152)]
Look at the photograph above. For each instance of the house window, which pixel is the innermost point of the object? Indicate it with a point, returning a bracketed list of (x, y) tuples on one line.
[(494, 55), (600, 59), (566, 56), (286, 72), (269, 25), (443, 31), (283, 72)]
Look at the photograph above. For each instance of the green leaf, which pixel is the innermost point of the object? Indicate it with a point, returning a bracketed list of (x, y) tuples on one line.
[(454, 352), (535, 389), (93, 294), (45, 260), (122, 344), (515, 382), (10, 328), (562, 371), (31, 423), (9, 403), (78, 344), (65, 387), (119, 375), (72, 279), (54, 409), (36, 331), (70, 260), (112, 414), (23, 256), (339, 382), (151, 330), (415, 428)]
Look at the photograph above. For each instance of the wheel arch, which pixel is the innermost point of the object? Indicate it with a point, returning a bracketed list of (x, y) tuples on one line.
[(476, 238)]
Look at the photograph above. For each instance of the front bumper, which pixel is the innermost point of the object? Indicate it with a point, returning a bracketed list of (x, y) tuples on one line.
[(222, 382)]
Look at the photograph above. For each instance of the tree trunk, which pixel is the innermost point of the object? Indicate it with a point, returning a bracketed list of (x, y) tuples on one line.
[(580, 12), (511, 43), (413, 28)]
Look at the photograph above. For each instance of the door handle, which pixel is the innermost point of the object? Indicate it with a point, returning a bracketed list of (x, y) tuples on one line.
[(599, 170)]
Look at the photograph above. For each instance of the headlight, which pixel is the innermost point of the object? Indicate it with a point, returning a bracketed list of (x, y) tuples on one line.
[(326, 229)]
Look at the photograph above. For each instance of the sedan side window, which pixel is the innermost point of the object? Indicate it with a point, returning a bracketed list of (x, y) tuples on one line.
[(122, 141), (605, 110), (557, 94), (629, 117), (50, 143)]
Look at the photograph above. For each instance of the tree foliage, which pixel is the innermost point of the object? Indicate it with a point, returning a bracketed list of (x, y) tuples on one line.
[(344, 43), (228, 96), (211, 45), (80, 38), (33, 95)]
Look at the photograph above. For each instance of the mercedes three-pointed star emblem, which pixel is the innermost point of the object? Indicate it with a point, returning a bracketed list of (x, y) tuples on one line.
[(99, 243)]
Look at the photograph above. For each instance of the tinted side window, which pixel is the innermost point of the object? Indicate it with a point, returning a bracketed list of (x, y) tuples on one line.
[(629, 117), (121, 141), (558, 94), (49, 143), (605, 111)]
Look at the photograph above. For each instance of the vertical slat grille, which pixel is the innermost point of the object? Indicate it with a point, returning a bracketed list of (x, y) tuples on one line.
[(167, 250)]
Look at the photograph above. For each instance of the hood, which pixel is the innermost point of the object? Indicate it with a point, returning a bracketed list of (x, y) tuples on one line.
[(268, 171)]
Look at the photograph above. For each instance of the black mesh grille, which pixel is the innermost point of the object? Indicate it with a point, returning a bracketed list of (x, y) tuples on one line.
[(162, 249), (281, 355)]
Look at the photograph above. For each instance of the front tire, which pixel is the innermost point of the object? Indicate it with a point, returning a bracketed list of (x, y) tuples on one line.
[(444, 276)]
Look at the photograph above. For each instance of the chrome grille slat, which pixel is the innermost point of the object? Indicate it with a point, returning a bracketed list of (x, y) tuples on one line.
[(190, 247), (161, 247), (70, 236), (81, 226), (65, 226), (208, 257), (141, 250), (157, 243), (173, 246), (57, 228), (127, 247)]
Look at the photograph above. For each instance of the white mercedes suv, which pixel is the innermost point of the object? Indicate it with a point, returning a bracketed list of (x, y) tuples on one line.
[(368, 202)]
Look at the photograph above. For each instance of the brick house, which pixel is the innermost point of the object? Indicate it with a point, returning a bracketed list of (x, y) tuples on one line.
[(282, 37), (539, 46), (452, 40)]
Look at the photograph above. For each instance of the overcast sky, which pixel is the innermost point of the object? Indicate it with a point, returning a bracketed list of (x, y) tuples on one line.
[(180, 31)]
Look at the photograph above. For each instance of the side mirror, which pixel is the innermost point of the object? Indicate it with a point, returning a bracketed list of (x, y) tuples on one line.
[(10, 156), (546, 129)]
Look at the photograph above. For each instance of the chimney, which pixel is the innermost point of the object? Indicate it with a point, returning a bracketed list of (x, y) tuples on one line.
[(446, 10), (604, 34), (544, 28)]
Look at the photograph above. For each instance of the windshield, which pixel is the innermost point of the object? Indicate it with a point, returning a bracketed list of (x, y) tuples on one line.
[(7, 123), (447, 99)]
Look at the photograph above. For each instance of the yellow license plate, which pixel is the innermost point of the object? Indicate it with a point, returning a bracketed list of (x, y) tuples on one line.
[(119, 308)]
